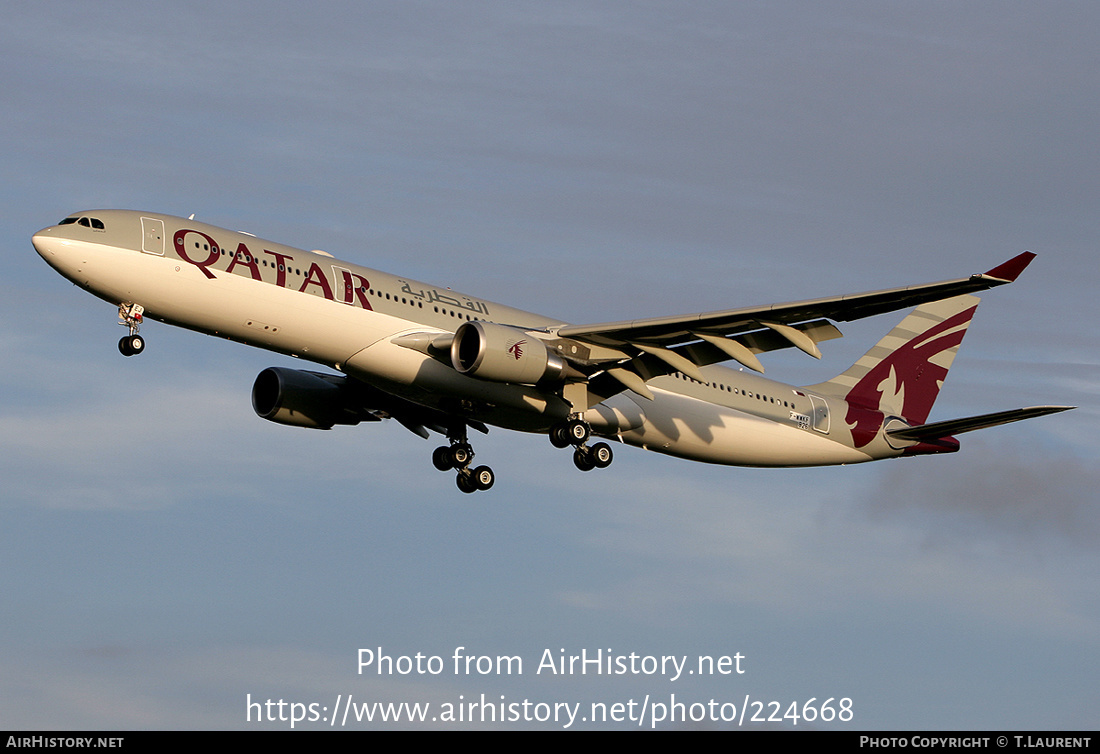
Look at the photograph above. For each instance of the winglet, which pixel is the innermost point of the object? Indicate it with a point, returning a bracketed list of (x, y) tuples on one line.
[(1011, 269)]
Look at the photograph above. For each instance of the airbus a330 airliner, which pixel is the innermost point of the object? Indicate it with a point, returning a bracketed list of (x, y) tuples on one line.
[(437, 360)]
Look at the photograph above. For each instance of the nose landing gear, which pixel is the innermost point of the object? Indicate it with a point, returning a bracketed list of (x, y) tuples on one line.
[(130, 315)]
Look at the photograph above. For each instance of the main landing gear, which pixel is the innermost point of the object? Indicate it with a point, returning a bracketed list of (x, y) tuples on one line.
[(576, 432), (459, 455), (130, 315)]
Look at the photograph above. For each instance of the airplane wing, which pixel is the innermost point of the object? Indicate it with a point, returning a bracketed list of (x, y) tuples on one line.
[(741, 333)]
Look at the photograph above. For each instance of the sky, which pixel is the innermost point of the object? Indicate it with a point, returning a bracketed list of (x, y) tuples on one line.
[(168, 558)]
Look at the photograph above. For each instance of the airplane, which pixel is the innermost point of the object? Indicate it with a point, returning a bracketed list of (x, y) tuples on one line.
[(436, 360)]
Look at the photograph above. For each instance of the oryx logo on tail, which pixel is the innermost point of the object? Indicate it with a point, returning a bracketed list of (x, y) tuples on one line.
[(902, 375)]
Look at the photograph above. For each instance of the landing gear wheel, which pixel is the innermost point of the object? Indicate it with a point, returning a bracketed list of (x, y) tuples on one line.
[(483, 477), (583, 459), (441, 458), (559, 436), (466, 482), (578, 431), (131, 315), (131, 345), (601, 455), (460, 455)]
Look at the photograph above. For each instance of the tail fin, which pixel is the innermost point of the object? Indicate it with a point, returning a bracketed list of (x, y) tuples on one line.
[(902, 375)]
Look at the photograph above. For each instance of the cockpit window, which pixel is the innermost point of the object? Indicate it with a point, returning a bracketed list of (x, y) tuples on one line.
[(87, 222)]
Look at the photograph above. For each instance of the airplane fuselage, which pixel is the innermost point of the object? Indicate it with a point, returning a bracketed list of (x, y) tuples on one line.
[(361, 321)]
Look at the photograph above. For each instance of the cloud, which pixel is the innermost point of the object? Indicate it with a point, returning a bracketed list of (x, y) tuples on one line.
[(158, 687), (804, 544), (1025, 499)]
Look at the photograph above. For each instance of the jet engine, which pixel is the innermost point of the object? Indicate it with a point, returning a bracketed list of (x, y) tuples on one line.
[(504, 354), (304, 399)]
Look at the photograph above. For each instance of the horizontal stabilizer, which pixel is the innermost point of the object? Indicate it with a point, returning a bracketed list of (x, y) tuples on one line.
[(936, 430)]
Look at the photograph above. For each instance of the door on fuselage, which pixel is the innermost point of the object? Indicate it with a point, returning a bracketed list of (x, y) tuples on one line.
[(152, 235), (820, 418)]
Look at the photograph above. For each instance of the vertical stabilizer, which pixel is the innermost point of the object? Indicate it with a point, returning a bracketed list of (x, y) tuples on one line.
[(902, 375)]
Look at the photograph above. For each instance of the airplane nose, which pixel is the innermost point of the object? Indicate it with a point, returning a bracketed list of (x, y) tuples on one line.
[(59, 253), (45, 243)]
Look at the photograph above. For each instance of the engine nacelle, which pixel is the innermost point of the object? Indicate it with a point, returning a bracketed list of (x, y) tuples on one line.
[(303, 399), (504, 354)]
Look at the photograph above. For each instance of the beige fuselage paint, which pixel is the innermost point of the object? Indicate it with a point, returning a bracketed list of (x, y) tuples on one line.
[(345, 316)]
